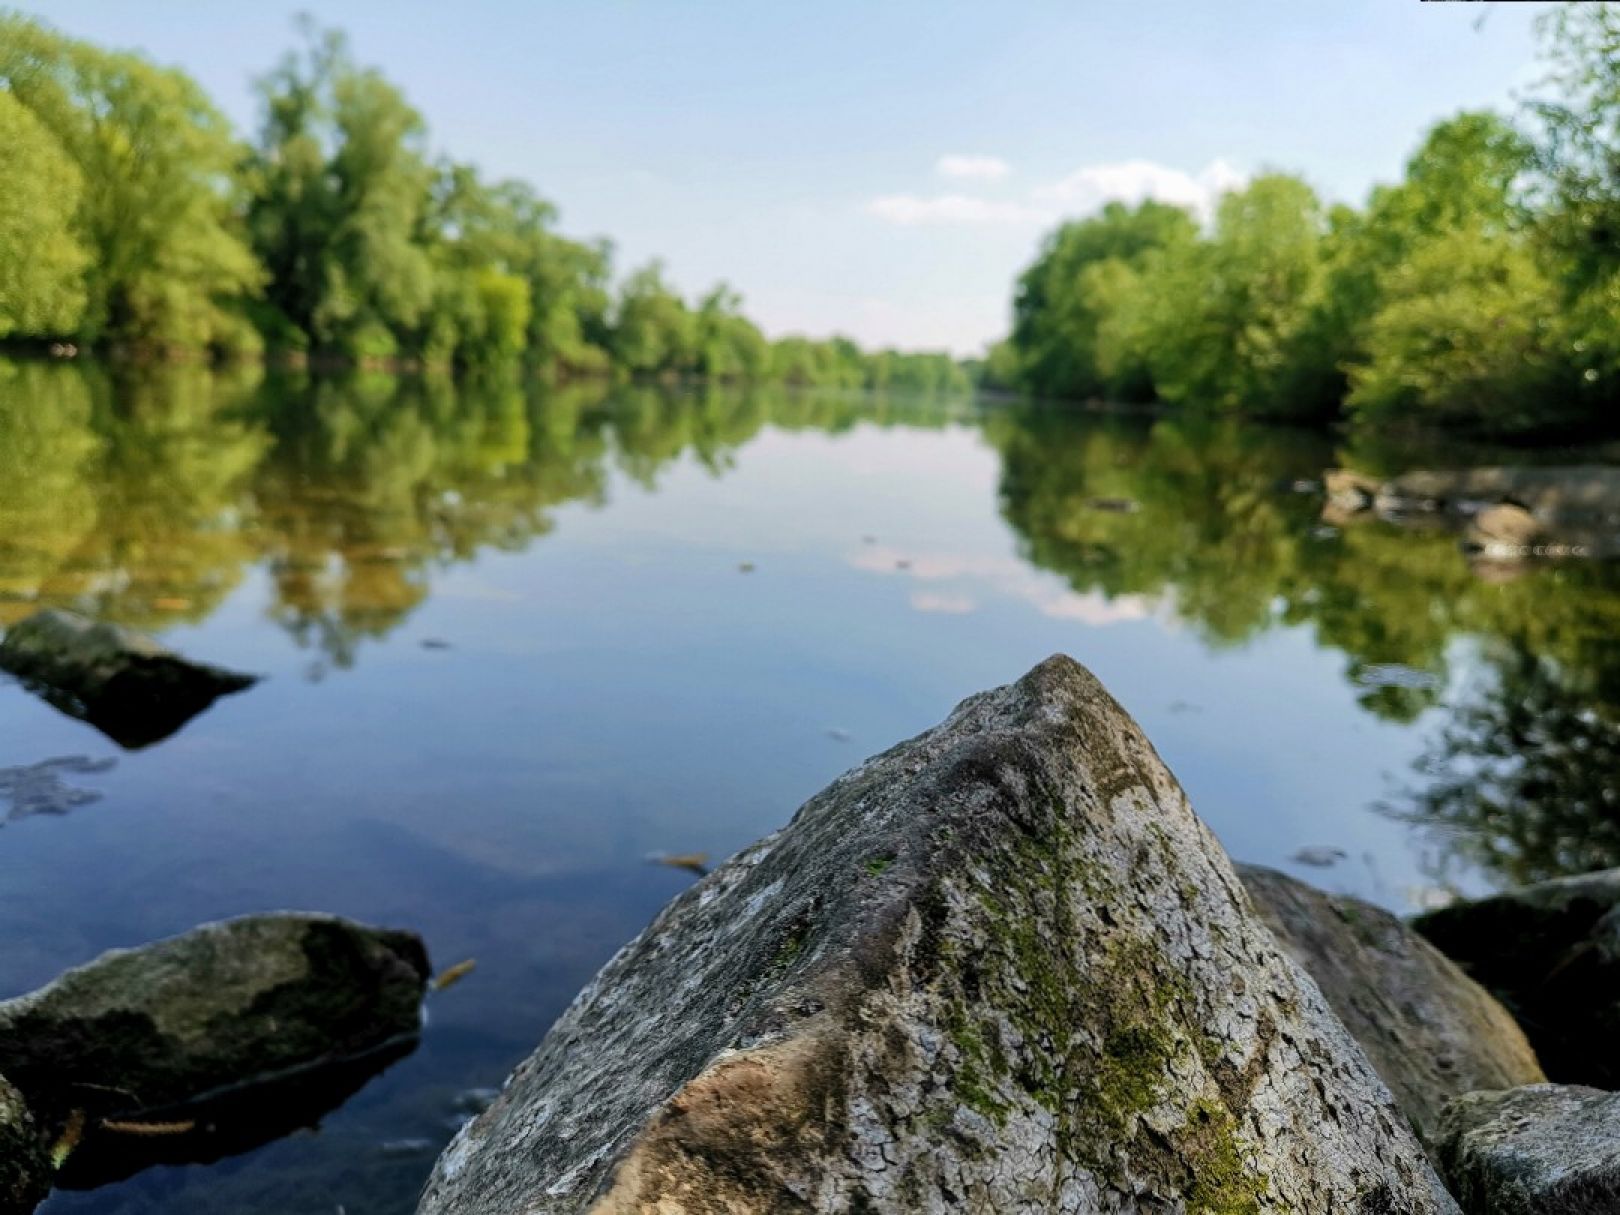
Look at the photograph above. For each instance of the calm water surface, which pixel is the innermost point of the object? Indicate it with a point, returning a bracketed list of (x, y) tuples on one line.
[(518, 640)]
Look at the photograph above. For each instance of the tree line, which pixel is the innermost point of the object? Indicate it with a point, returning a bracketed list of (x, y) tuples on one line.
[(1480, 293), (135, 217)]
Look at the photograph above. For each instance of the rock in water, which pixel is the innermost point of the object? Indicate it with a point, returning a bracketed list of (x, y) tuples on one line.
[(1001, 967), (1349, 492), (126, 685), (1504, 532), (218, 1007), (25, 1165), (1551, 952), (1543, 1150), (1430, 1030)]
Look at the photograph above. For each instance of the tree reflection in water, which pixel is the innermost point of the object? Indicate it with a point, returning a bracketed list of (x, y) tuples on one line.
[(144, 496)]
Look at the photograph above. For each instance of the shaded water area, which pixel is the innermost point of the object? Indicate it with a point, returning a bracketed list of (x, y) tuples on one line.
[(518, 639)]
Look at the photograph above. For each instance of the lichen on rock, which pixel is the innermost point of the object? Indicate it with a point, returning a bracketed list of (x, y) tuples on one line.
[(1053, 997), (1544, 1149)]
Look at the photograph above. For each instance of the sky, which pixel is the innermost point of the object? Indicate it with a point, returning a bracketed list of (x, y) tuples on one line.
[(880, 168)]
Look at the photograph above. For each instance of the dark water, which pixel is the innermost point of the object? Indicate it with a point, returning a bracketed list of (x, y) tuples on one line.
[(513, 650)]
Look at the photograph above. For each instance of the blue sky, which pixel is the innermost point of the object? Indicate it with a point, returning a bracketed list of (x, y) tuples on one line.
[(880, 168)]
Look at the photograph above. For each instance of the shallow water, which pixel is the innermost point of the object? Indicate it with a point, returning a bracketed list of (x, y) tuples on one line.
[(518, 640)]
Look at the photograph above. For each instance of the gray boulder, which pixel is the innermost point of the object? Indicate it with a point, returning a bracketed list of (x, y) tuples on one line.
[(125, 684), (1542, 1150), (1000, 967), (25, 1166), (1430, 1031), (219, 1007), (1551, 953)]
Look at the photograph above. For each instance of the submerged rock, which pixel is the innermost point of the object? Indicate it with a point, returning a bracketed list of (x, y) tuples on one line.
[(1000, 967), (215, 1009), (1543, 1150), (126, 685), (25, 1165), (38, 789), (1551, 953), (1432, 1032)]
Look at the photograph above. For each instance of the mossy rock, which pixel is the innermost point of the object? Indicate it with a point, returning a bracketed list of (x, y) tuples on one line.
[(1053, 998), (221, 1007)]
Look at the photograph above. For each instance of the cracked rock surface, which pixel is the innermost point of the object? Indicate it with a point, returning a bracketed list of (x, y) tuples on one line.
[(1001, 967), (1546, 1149), (1432, 1032)]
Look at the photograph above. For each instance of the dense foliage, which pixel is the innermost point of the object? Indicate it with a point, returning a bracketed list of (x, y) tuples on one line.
[(134, 216), (1481, 292)]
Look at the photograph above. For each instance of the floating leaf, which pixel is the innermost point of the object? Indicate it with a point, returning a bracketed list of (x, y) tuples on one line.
[(694, 862), (148, 1128), (454, 974), (68, 1139)]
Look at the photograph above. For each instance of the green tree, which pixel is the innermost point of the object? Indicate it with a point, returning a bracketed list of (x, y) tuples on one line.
[(1056, 316), (339, 186), (653, 330), (155, 159), (1469, 336), (1231, 323), (729, 345), (42, 264)]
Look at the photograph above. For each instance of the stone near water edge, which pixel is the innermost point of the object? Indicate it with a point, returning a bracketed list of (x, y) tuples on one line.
[(220, 1007), (1349, 492), (1431, 1032), (1504, 532), (125, 684), (1551, 953), (1547, 1149), (1564, 493), (1000, 967), (25, 1164)]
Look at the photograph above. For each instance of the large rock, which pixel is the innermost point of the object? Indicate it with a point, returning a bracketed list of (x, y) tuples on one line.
[(1430, 1031), (1001, 967), (221, 1006), (1543, 1150), (126, 685), (1551, 953), (25, 1166)]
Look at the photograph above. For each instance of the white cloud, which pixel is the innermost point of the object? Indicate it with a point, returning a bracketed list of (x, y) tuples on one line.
[(947, 604), (1007, 576), (1082, 192), (1133, 181), (967, 167), (911, 210)]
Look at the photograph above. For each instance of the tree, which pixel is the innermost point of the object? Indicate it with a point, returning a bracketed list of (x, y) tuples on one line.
[(1230, 324), (1469, 337), (42, 263), (653, 331), (1055, 315), (729, 345), (155, 160), (339, 186)]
